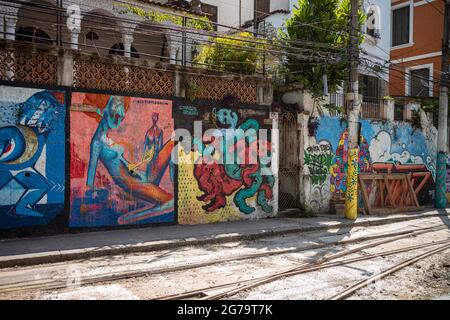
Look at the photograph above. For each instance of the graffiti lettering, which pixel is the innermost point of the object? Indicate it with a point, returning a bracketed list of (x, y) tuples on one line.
[(319, 159)]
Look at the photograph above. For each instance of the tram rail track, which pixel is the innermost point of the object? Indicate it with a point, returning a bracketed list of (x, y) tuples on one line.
[(325, 262), (53, 284)]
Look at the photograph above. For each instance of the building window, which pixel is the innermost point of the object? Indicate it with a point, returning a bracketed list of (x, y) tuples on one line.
[(369, 86), (33, 34), (262, 8), (212, 12), (401, 26), (419, 84), (370, 30), (119, 49), (399, 111)]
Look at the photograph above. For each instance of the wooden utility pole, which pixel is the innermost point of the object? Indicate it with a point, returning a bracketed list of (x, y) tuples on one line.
[(441, 165), (351, 196)]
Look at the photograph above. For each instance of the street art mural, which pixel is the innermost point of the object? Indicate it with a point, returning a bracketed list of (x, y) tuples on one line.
[(121, 169), (224, 187), (397, 147), (338, 170), (32, 156), (447, 183)]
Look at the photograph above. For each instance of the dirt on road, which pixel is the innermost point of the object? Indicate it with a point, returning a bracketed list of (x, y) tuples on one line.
[(169, 272)]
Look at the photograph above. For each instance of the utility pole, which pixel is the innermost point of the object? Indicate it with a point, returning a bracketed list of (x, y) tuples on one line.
[(184, 43), (255, 17), (351, 196), (240, 14), (441, 165)]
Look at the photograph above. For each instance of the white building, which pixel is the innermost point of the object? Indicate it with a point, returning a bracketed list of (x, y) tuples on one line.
[(99, 26)]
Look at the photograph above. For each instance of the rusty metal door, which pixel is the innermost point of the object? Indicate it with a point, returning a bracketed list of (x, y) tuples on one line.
[(289, 169)]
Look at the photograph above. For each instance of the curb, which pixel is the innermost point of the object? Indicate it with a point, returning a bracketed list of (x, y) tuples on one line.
[(86, 253)]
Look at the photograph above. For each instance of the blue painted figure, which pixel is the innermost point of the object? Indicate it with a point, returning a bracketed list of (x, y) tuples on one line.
[(23, 137), (111, 155), (153, 144)]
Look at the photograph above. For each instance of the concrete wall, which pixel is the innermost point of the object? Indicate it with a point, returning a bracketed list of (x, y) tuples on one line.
[(382, 142), (124, 166)]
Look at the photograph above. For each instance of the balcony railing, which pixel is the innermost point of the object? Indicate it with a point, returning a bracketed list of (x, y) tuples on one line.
[(371, 108)]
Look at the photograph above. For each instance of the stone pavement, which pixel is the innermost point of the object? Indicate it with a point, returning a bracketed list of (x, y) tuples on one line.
[(38, 250)]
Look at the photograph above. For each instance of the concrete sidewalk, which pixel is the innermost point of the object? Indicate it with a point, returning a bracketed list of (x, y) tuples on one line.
[(31, 251)]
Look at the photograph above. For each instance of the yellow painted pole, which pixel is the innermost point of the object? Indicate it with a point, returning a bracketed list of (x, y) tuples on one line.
[(351, 196)]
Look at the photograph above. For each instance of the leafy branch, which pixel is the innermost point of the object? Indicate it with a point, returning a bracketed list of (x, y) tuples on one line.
[(193, 22)]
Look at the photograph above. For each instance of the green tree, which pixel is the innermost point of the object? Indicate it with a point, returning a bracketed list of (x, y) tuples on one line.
[(240, 53), (318, 33)]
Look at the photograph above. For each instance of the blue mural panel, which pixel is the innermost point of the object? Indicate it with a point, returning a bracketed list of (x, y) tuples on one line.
[(383, 147), (32, 156)]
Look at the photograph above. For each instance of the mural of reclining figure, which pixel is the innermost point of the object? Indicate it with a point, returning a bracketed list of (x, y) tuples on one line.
[(124, 174), (21, 146)]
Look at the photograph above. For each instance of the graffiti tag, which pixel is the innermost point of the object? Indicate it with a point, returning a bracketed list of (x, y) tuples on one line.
[(319, 159)]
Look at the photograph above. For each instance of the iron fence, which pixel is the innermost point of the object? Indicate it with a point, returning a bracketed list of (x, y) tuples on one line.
[(371, 107)]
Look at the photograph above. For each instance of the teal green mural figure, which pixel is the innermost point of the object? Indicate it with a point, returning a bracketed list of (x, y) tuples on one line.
[(441, 177), (240, 169)]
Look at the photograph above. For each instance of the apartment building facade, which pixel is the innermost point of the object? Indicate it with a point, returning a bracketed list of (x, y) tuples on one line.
[(417, 30)]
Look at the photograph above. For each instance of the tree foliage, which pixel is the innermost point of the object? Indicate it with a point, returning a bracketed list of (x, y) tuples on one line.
[(193, 22), (240, 53), (322, 27)]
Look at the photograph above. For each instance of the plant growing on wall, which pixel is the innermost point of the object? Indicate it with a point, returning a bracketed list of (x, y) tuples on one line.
[(431, 105), (313, 125), (321, 26), (334, 109), (415, 120), (240, 53), (191, 91)]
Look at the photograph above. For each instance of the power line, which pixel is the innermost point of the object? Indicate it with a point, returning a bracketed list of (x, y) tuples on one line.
[(215, 34), (90, 15), (302, 50), (197, 33)]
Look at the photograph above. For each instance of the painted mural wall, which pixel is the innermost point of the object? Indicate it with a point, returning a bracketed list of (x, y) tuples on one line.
[(395, 146), (32, 156), (116, 159), (121, 171), (211, 186)]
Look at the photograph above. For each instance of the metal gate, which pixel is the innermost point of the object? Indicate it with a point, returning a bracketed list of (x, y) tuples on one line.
[(289, 171)]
